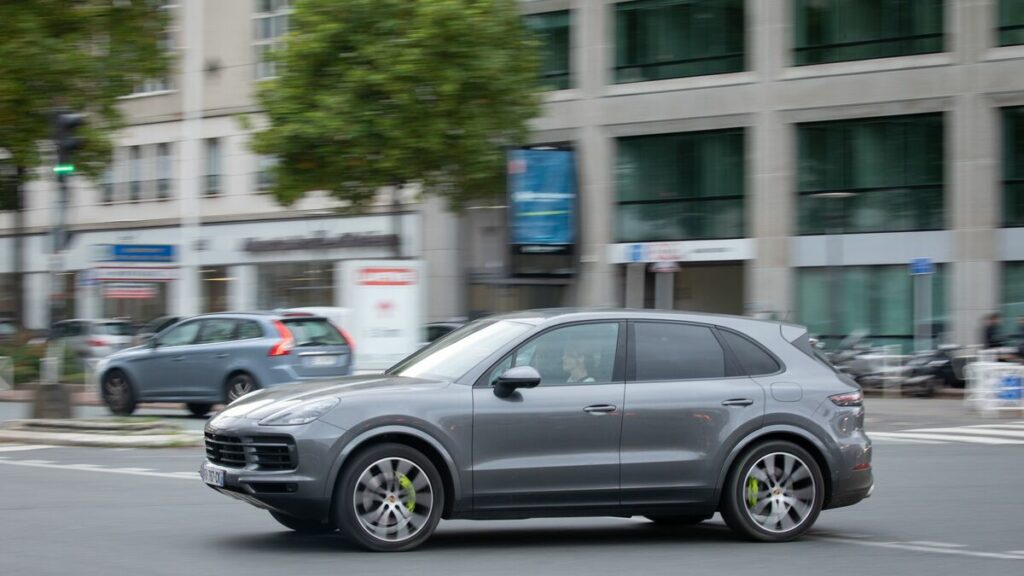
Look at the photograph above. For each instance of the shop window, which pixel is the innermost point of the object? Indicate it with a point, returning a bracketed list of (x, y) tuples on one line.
[(553, 30), (892, 166), (1013, 295), (1013, 166), (292, 284), (842, 30), (658, 39), (686, 186), (215, 289)]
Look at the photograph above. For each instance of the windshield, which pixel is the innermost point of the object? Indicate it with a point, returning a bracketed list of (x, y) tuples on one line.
[(457, 353), (114, 329)]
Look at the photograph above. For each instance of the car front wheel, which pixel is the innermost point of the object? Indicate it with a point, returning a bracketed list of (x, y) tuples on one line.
[(118, 394), (774, 492), (389, 499)]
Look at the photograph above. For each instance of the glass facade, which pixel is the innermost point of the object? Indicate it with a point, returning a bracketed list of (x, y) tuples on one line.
[(658, 39), (841, 30), (685, 186), (1013, 293), (1013, 166), (291, 284), (553, 28), (878, 300), (1011, 22), (215, 283), (893, 166)]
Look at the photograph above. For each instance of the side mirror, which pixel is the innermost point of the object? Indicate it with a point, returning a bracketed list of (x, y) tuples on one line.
[(514, 378)]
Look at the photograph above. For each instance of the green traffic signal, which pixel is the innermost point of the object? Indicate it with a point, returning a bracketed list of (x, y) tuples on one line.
[(64, 168)]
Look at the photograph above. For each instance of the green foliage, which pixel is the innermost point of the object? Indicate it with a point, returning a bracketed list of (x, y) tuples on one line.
[(77, 54), (383, 92)]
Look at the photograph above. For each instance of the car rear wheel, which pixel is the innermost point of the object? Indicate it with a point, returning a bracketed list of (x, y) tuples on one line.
[(199, 410), (239, 385), (118, 394), (303, 525), (389, 499), (774, 492)]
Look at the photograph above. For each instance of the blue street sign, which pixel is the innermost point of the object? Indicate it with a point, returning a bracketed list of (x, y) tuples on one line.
[(162, 253), (636, 253), (919, 266)]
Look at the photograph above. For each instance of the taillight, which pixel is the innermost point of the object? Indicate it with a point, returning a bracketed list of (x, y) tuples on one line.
[(287, 342), (848, 399), (348, 340), (96, 342)]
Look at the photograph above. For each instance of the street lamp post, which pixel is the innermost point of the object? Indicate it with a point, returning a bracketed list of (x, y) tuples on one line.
[(833, 258)]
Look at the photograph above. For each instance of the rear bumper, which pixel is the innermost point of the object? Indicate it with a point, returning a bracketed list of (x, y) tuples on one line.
[(855, 479)]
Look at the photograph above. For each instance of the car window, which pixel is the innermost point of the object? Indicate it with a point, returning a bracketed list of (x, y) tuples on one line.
[(213, 330), (451, 357), (577, 354), (435, 332), (754, 360), (113, 329), (675, 351), (180, 335), (249, 329), (314, 332)]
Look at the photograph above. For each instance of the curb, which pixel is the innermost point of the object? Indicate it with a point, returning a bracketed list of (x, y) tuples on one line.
[(102, 440)]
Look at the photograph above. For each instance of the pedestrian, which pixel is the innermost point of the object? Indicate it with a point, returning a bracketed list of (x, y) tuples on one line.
[(990, 336)]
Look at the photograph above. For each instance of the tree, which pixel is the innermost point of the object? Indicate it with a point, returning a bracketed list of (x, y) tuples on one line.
[(75, 54), (378, 93)]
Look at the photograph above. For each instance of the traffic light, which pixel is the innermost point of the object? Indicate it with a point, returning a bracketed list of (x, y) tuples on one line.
[(65, 126)]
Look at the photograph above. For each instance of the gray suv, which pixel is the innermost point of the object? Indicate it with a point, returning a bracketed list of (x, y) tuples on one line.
[(217, 358), (670, 416)]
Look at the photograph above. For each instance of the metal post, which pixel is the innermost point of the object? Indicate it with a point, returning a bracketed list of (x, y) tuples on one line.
[(187, 282)]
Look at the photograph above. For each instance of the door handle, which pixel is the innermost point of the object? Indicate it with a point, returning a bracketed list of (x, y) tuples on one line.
[(223, 355), (599, 409), (737, 402), (177, 359)]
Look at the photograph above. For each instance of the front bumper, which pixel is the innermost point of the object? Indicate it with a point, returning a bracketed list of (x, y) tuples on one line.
[(304, 490)]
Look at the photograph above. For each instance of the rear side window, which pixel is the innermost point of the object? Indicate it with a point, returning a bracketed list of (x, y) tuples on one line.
[(754, 360), (248, 329), (217, 330), (666, 351), (114, 329), (314, 332)]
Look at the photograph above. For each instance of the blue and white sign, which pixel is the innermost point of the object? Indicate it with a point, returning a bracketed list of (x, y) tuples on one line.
[(542, 197), (921, 266), (151, 253)]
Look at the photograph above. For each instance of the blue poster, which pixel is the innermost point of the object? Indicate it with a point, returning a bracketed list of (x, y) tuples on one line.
[(542, 197)]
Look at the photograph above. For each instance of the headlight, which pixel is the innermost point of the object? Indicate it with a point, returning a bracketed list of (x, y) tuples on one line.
[(302, 413)]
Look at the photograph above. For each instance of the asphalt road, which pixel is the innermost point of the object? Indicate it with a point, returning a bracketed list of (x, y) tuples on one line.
[(942, 506)]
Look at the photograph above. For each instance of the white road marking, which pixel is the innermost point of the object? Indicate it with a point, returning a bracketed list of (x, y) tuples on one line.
[(975, 431), (936, 544), (908, 546), (878, 439), (947, 437), (999, 426), (23, 447), (90, 468)]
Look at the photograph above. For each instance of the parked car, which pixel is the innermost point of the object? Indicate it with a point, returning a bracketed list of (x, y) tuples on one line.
[(8, 330), (337, 316), (92, 340), (218, 358), (154, 327), (666, 415)]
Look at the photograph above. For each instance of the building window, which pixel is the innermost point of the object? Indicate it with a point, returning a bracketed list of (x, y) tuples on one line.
[(1011, 22), (1013, 166), (1013, 295), (553, 30), (265, 179), (893, 167), (876, 301), (164, 169), (685, 186), (842, 30), (292, 284), (211, 175), (108, 184), (215, 288), (270, 23), (657, 39), (135, 173), (166, 43)]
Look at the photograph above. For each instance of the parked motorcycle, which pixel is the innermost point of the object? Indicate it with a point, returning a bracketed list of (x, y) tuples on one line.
[(930, 370)]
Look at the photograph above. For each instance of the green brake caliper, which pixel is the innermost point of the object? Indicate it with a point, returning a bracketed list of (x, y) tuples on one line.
[(752, 490), (406, 485)]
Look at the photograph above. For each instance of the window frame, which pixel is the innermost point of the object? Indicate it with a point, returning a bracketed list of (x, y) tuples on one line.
[(204, 322), (618, 369), (732, 368), (552, 80)]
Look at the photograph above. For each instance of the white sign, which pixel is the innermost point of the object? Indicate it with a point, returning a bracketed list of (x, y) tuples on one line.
[(683, 251), (385, 298), (135, 274)]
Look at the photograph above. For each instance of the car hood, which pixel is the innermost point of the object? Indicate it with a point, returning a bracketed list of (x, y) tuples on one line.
[(261, 403)]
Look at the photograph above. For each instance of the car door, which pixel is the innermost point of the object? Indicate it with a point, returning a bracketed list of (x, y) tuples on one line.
[(209, 360), (556, 445), (161, 372), (686, 402)]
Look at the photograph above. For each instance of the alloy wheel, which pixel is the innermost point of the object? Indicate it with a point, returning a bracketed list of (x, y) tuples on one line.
[(393, 499), (240, 386), (779, 492), (116, 390)]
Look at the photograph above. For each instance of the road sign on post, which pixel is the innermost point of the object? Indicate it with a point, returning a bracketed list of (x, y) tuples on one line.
[(922, 269)]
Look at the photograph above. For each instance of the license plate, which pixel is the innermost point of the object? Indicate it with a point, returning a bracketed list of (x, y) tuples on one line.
[(212, 476), (322, 360)]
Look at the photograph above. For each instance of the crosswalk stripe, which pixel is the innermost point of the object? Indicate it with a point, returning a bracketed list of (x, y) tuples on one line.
[(949, 437), (876, 438), (999, 426), (975, 431)]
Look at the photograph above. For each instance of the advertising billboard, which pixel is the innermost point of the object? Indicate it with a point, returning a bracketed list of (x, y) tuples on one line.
[(385, 297), (542, 200)]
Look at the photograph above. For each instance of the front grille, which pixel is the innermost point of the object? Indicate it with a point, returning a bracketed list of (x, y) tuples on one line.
[(261, 452)]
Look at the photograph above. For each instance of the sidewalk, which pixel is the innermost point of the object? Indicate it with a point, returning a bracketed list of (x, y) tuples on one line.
[(79, 398)]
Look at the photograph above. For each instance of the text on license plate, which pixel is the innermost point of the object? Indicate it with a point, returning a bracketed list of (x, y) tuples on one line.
[(212, 476), (329, 360)]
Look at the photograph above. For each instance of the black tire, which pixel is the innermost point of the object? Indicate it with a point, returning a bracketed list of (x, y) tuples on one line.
[(303, 525), (199, 410), (118, 393), (735, 509), (677, 520), (239, 385), (345, 507)]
